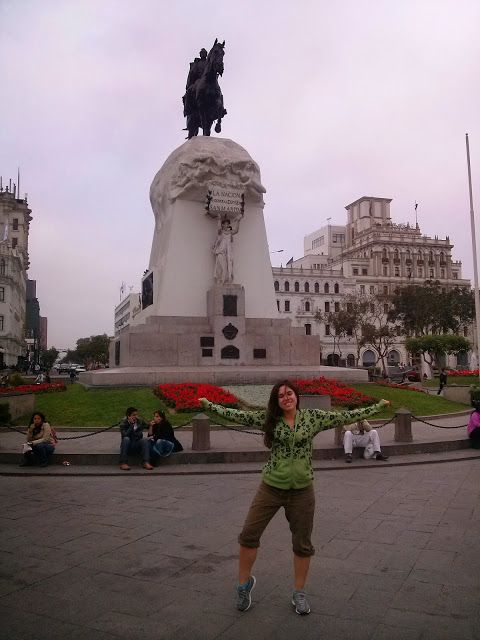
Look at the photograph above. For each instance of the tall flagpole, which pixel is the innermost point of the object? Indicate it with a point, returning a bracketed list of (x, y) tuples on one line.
[(474, 250)]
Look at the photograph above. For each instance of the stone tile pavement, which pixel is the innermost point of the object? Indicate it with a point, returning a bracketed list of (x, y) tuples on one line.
[(125, 557)]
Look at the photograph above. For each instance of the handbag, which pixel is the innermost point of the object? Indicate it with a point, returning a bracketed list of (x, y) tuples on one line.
[(26, 448)]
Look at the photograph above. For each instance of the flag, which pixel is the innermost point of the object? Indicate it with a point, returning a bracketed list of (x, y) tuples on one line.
[(416, 205), (290, 261)]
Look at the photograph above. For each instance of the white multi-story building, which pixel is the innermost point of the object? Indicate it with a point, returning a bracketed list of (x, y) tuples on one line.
[(369, 255), (14, 228), (126, 310)]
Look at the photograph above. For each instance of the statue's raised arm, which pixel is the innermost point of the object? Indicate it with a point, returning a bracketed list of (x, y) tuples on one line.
[(203, 99)]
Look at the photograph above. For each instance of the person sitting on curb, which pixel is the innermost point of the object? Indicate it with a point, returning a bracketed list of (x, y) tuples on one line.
[(361, 434), (162, 438), (473, 428), (41, 441), (133, 441)]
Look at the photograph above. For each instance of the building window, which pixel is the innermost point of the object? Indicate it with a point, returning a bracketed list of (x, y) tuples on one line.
[(431, 273), (278, 305), (455, 274), (307, 287), (337, 307), (442, 273), (2, 294), (327, 329), (385, 271), (14, 242), (287, 286), (1, 323), (318, 242), (397, 272), (336, 288), (327, 307), (276, 286), (287, 305), (372, 289), (338, 238), (355, 272), (350, 360), (307, 306), (308, 329), (2, 267), (362, 288), (317, 287), (364, 272), (296, 286), (384, 254), (420, 272), (385, 289), (15, 224), (326, 288)]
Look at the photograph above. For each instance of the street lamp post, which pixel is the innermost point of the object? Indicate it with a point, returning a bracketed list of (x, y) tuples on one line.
[(474, 250)]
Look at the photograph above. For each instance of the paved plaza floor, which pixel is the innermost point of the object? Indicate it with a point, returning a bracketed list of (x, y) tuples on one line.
[(129, 557)]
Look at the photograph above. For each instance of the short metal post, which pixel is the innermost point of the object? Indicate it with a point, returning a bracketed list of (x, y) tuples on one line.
[(339, 436), (403, 425), (201, 433)]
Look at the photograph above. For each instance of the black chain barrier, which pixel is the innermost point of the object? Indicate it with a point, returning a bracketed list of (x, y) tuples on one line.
[(83, 435), (439, 426)]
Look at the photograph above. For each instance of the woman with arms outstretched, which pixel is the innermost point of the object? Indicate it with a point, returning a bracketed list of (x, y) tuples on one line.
[(287, 480)]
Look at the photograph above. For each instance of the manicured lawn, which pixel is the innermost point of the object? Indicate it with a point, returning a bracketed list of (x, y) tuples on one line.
[(79, 407), (420, 404), (459, 380)]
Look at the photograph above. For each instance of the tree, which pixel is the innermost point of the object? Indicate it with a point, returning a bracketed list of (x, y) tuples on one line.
[(433, 346), (431, 309), (93, 350), (48, 357)]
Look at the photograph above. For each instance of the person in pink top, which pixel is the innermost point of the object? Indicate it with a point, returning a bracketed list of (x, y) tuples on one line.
[(473, 427)]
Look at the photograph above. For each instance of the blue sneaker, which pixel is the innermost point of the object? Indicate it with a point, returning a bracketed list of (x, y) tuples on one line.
[(244, 595), (300, 602)]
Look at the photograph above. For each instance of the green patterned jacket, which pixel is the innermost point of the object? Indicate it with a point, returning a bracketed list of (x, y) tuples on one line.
[(290, 462)]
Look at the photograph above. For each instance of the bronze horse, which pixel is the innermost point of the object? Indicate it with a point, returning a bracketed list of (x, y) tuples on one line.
[(203, 101)]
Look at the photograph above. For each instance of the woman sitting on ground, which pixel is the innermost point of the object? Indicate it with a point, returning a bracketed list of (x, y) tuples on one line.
[(161, 436), (41, 441)]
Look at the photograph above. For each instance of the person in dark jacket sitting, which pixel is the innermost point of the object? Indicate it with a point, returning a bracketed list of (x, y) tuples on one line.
[(161, 436), (133, 441)]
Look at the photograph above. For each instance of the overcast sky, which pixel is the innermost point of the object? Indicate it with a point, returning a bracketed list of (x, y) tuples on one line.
[(333, 100)]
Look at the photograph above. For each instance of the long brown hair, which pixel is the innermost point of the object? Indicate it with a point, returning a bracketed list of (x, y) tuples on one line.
[(274, 413)]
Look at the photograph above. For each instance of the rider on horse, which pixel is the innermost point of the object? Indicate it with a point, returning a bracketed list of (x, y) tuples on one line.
[(203, 99)]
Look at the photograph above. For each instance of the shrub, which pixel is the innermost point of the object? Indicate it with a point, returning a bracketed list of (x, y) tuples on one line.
[(15, 379)]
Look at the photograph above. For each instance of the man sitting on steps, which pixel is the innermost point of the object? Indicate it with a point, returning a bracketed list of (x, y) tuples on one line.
[(133, 441), (361, 434)]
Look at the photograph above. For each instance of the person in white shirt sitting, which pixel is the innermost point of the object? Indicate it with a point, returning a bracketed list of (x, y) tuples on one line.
[(361, 434)]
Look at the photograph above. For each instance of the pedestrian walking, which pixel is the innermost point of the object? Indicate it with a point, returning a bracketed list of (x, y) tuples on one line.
[(287, 480), (443, 380)]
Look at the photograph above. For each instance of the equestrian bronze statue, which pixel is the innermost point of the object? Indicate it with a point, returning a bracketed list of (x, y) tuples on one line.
[(203, 99)]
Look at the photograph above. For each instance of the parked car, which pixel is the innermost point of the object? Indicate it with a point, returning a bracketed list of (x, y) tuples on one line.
[(402, 374), (80, 368)]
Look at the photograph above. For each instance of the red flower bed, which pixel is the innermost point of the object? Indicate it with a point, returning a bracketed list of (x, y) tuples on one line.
[(45, 387), (184, 397), (405, 387), (341, 395), (464, 372)]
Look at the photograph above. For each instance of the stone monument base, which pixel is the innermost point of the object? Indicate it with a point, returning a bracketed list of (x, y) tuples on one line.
[(218, 375), (226, 337)]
